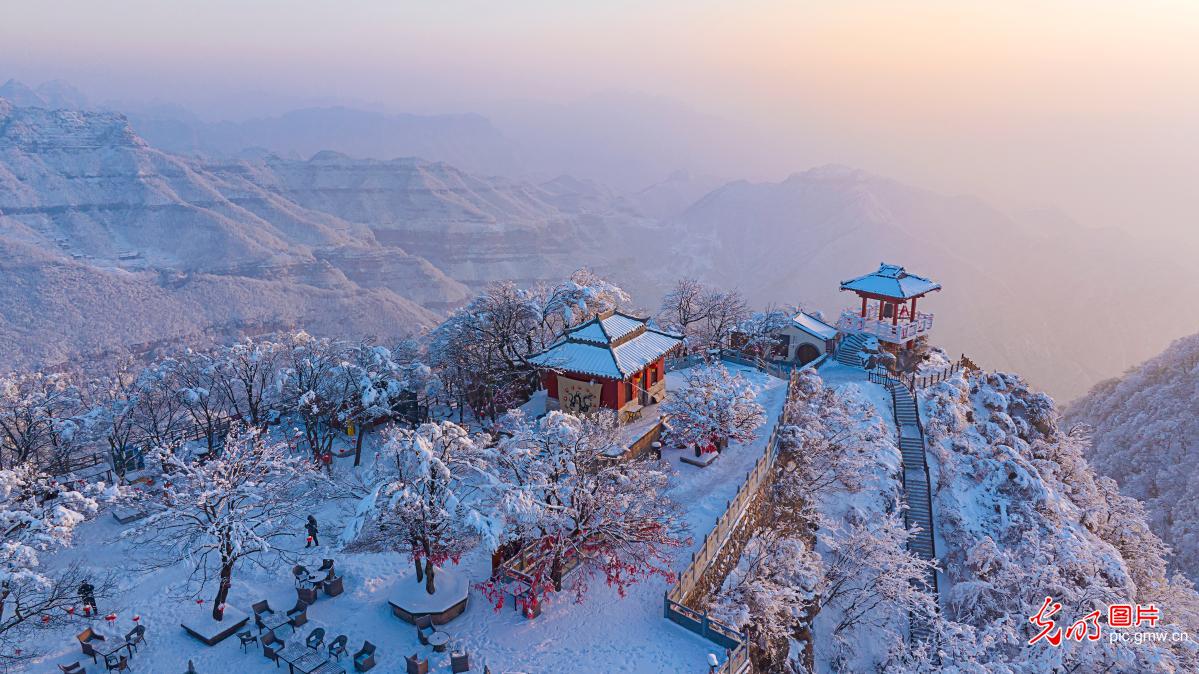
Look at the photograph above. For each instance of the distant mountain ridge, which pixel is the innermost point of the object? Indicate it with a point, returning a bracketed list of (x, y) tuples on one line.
[(86, 202), (465, 140), (1038, 294), (1056, 304)]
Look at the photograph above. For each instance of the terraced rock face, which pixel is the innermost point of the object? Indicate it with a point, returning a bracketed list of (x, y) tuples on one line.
[(89, 209)]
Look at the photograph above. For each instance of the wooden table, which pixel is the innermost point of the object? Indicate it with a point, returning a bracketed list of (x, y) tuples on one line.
[(439, 640), (308, 663), (329, 667), (300, 658), (110, 643), (273, 621)]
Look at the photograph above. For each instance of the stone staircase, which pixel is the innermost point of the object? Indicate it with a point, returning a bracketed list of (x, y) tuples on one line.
[(917, 495), (849, 351)]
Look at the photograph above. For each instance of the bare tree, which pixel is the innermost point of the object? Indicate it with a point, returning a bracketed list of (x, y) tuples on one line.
[(684, 308), (51, 603), (723, 311)]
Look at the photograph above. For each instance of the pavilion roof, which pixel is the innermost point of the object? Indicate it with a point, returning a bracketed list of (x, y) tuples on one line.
[(891, 281), (613, 345)]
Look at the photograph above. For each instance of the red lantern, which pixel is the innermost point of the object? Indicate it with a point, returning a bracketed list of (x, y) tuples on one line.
[(87, 610), (199, 602), (45, 619), (136, 618), (111, 618), (70, 610)]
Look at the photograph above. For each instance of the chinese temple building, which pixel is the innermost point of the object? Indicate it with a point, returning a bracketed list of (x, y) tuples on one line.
[(888, 309), (614, 361)]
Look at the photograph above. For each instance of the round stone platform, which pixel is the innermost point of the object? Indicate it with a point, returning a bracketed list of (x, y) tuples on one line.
[(409, 600)]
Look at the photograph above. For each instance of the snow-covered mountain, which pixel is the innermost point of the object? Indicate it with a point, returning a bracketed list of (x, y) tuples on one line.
[(1062, 304), (373, 246), (1021, 515), (1146, 436), (467, 141), (86, 186)]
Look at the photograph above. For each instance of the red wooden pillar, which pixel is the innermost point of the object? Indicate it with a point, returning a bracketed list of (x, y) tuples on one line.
[(913, 318), (863, 306), (895, 313)]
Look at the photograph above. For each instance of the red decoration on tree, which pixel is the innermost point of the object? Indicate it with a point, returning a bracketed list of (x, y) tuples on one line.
[(136, 618), (111, 618), (70, 610), (45, 619)]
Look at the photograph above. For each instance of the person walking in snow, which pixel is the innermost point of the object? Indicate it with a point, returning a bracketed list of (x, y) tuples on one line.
[(311, 527), (87, 595)]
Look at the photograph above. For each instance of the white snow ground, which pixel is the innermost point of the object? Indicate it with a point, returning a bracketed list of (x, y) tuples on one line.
[(604, 634)]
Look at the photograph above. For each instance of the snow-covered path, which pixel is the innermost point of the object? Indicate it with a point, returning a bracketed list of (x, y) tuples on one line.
[(603, 634)]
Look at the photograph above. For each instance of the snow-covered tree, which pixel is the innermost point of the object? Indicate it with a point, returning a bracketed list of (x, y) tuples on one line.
[(315, 389), (38, 516), (824, 446), (113, 401), (759, 332), (430, 504), (772, 590), (481, 351), (372, 384), (1023, 516), (705, 316), (712, 407), (569, 302), (1145, 434), (565, 498), (159, 413), (241, 505), (247, 376), (38, 418), (198, 378)]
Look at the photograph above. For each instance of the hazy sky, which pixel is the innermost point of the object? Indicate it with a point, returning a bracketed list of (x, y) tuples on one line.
[(1090, 105)]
